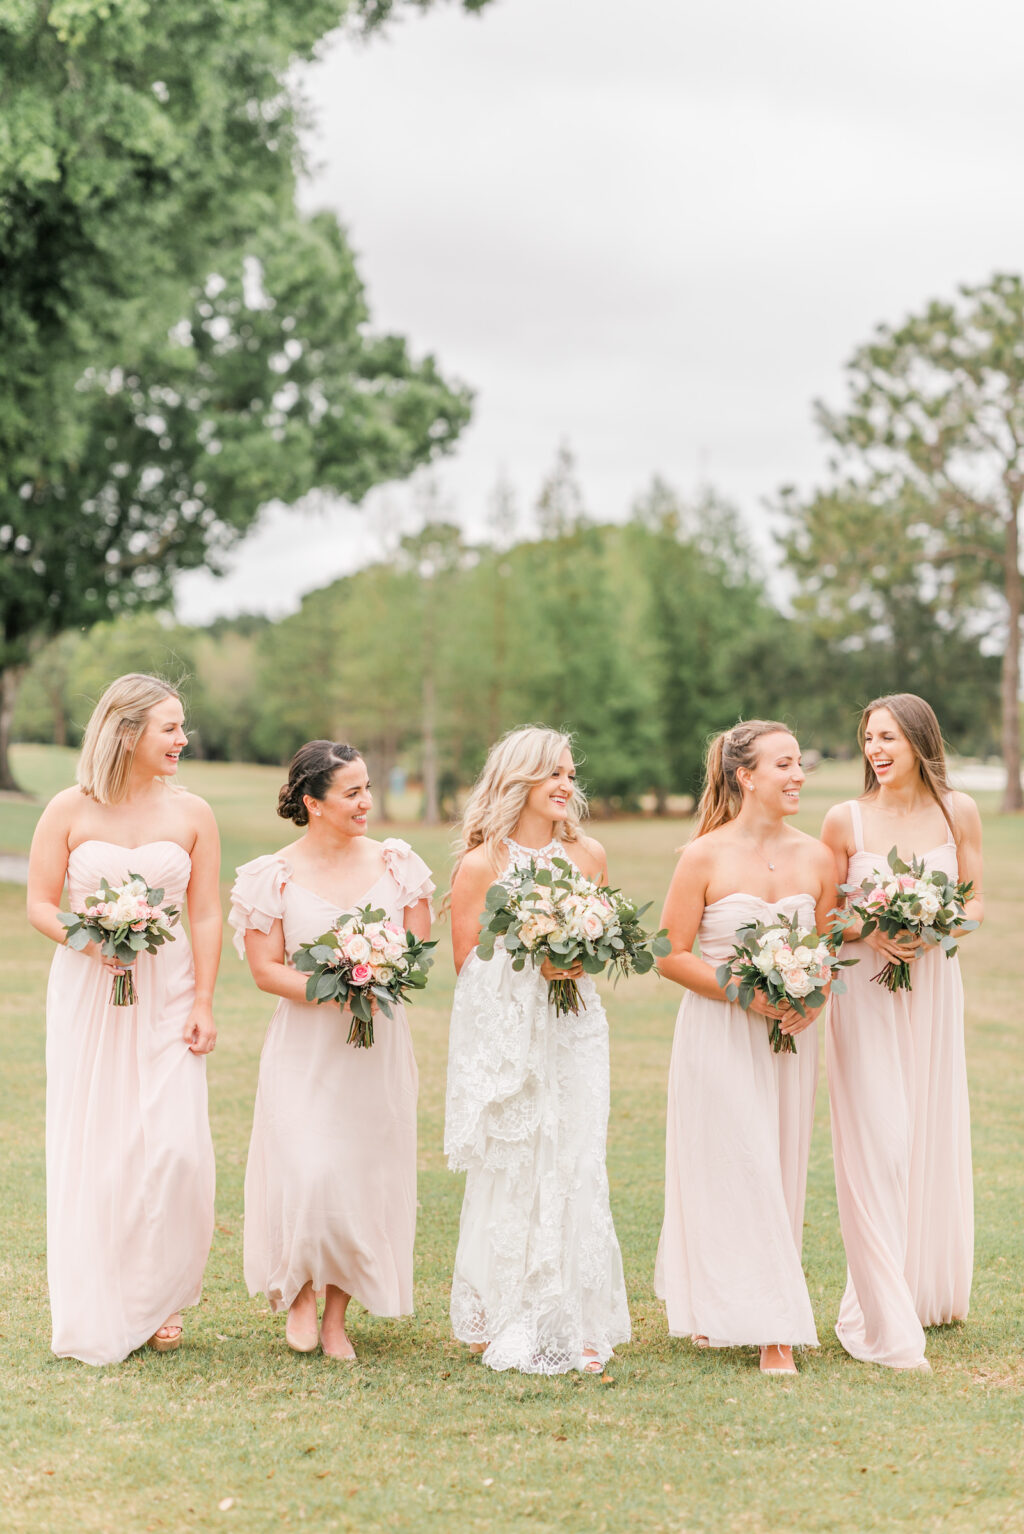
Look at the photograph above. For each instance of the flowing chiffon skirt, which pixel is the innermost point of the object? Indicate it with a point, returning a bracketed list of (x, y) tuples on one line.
[(737, 1147), (901, 1136), (129, 1159)]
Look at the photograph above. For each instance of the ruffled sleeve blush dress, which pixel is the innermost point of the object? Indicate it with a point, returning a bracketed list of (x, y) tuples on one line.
[(330, 1183)]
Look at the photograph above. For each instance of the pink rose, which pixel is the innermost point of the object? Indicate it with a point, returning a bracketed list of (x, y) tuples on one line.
[(907, 882), (138, 926), (361, 974), (877, 899)]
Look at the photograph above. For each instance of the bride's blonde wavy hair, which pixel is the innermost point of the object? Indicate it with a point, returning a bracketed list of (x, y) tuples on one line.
[(518, 762)]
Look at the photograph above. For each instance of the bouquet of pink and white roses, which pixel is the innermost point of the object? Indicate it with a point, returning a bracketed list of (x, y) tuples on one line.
[(557, 913), (362, 961), (125, 920), (928, 905), (789, 964)]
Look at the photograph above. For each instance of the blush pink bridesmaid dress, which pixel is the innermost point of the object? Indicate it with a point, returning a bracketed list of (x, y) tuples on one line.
[(129, 1159), (330, 1184), (901, 1138), (737, 1146)]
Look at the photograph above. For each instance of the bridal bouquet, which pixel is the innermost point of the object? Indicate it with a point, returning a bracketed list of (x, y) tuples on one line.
[(929, 905), (126, 920), (789, 964), (556, 913), (362, 960)]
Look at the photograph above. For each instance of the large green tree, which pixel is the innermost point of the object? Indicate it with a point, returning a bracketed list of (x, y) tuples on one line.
[(177, 345), (922, 526)]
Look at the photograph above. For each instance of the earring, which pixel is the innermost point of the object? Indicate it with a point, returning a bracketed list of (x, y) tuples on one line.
[(318, 812)]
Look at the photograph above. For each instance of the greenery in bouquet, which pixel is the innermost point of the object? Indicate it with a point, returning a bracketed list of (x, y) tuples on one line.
[(125, 920), (790, 965), (556, 913), (364, 962), (929, 906)]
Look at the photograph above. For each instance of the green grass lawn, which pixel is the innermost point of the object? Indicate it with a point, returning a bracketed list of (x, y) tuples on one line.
[(418, 1435)]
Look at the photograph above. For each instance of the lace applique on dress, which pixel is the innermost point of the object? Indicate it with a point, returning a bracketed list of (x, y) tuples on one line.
[(538, 1272)]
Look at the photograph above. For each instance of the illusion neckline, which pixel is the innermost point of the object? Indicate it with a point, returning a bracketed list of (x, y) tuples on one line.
[(101, 841), (534, 852)]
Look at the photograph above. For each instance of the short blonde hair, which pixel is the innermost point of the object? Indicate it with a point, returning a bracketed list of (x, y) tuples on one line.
[(519, 761), (114, 730)]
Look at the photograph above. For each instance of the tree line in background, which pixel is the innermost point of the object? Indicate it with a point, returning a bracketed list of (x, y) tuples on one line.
[(641, 637)]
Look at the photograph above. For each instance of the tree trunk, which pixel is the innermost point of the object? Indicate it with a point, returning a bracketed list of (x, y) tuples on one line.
[(1010, 684), (10, 681), (431, 804)]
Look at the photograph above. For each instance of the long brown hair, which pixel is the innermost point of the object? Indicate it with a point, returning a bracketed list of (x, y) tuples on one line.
[(920, 728), (720, 802)]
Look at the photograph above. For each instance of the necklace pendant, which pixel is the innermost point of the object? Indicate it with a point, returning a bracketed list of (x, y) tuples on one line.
[(772, 867)]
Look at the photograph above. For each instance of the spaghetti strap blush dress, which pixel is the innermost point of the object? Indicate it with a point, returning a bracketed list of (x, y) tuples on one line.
[(737, 1147), (901, 1139), (330, 1183), (129, 1159)]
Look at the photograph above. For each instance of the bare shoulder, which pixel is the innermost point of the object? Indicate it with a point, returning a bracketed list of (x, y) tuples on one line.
[(62, 808), (697, 857), (476, 866), (200, 815), (966, 815), (837, 827), (590, 854)]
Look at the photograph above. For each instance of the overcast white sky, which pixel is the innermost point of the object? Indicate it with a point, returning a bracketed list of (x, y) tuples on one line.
[(654, 229)]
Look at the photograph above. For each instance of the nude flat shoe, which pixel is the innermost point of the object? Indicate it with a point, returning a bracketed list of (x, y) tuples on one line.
[(305, 1340)]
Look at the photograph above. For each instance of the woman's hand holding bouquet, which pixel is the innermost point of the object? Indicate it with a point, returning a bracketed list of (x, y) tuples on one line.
[(566, 926), (909, 910), (364, 962), (777, 966)]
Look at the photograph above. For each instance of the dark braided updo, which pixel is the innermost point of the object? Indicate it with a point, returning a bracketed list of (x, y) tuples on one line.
[(310, 772)]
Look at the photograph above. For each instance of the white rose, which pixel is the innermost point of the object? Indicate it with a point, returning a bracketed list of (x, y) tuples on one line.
[(356, 948), (593, 926), (798, 982)]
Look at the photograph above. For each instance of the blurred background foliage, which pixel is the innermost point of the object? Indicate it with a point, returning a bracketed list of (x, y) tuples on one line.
[(642, 637)]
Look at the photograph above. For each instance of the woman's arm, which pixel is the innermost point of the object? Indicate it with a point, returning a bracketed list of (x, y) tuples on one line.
[(469, 893), (969, 855), (48, 868), (681, 915), (205, 923), (266, 956), (416, 919)]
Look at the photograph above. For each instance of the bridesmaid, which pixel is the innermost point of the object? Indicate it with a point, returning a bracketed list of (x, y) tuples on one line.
[(896, 1068), (330, 1185), (129, 1160), (740, 1116)]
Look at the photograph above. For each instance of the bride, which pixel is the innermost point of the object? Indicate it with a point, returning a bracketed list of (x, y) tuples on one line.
[(538, 1282)]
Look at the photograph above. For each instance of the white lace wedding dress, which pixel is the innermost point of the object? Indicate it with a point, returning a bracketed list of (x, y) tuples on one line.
[(538, 1272)]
